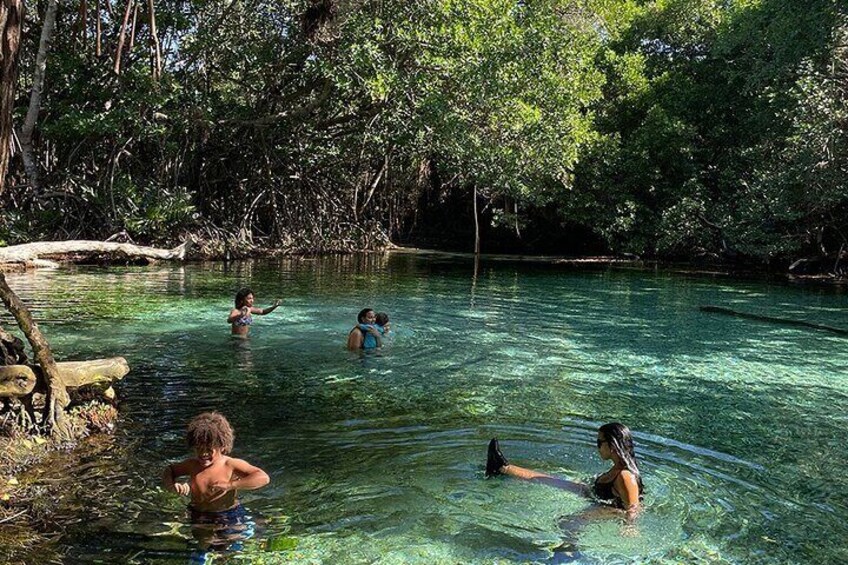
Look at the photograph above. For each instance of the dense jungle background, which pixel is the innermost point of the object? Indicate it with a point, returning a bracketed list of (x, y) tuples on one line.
[(674, 129)]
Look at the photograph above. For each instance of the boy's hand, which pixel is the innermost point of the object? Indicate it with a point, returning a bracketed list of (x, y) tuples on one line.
[(182, 489), (245, 311), (277, 302), (219, 488), (374, 331)]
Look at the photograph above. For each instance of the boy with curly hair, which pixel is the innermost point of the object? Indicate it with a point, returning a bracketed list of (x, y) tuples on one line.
[(214, 477)]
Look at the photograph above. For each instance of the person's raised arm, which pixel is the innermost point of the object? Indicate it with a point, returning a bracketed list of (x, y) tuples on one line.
[(268, 310), (173, 472)]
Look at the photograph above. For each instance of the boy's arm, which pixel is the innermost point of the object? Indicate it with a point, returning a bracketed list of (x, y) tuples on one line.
[(175, 471), (245, 477), (249, 477)]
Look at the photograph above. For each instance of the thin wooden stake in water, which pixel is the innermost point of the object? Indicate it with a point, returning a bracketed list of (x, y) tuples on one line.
[(476, 224)]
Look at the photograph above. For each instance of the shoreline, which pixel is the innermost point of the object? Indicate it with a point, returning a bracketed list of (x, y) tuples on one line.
[(743, 271), (36, 469), (624, 262)]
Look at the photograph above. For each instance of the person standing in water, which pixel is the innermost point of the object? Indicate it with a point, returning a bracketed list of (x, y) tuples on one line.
[(242, 315), (365, 334), (620, 487), (214, 479)]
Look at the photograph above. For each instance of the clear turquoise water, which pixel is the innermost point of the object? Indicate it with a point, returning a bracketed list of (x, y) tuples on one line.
[(740, 426)]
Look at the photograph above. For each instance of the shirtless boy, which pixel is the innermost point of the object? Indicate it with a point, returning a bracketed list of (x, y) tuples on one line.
[(214, 478)]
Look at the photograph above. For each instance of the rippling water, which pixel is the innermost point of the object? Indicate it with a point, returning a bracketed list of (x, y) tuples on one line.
[(740, 425)]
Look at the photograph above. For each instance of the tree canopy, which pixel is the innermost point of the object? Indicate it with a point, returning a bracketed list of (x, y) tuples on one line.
[(668, 128)]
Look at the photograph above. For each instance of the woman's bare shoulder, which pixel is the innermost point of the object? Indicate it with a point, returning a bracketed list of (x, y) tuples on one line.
[(627, 476)]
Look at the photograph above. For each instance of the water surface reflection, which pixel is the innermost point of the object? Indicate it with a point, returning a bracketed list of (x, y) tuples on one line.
[(381, 459)]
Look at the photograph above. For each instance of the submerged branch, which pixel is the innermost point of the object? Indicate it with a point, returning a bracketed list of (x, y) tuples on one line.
[(773, 320)]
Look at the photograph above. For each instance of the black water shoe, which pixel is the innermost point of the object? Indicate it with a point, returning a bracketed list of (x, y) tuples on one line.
[(495, 460)]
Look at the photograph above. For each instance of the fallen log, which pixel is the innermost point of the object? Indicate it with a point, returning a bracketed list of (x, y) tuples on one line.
[(16, 381), (99, 374), (773, 320), (33, 253)]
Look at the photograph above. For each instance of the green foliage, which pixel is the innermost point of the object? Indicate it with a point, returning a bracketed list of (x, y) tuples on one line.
[(716, 117), (668, 127)]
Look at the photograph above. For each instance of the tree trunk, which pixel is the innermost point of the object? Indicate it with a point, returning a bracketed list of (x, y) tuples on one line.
[(155, 50), (98, 41), (132, 31), (83, 22), (383, 167), (122, 37), (32, 252), (11, 20), (57, 395), (30, 164)]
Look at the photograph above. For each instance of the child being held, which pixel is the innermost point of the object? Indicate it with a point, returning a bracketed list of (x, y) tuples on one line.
[(381, 324), (214, 478)]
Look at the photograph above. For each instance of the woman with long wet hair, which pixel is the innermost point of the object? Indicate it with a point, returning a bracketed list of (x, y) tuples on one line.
[(241, 316), (620, 487)]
